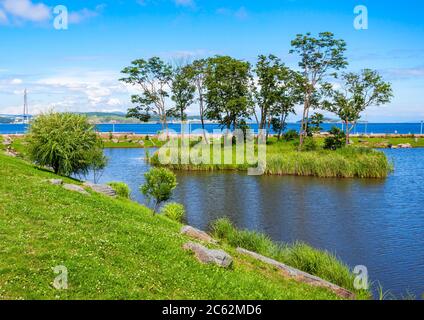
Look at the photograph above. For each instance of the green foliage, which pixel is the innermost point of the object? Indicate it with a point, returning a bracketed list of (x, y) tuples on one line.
[(299, 255), (183, 91), (174, 211), (310, 145), (336, 141), (228, 96), (277, 92), (154, 78), (319, 56), (315, 122), (121, 188), (159, 185), (358, 92), (65, 142), (291, 135)]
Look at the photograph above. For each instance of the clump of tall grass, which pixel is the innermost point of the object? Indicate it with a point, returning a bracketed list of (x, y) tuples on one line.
[(174, 211), (121, 188), (283, 159), (298, 255)]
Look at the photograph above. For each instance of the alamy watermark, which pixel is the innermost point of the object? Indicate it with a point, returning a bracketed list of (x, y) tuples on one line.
[(61, 17), (361, 278), (225, 147), (61, 280), (361, 17)]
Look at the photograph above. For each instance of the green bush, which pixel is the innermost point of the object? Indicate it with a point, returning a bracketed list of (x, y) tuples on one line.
[(310, 145), (65, 142), (291, 135), (121, 189), (159, 185), (337, 140), (174, 211), (299, 255)]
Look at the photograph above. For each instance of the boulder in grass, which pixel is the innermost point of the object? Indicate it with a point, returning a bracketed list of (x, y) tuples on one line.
[(75, 188), (404, 146), (101, 188), (56, 182), (209, 256), (197, 234)]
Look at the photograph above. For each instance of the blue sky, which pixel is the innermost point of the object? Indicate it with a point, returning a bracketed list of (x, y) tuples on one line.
[(78, 69)]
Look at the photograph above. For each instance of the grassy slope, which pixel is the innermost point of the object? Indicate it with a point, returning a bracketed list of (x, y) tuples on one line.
[(113, 249)]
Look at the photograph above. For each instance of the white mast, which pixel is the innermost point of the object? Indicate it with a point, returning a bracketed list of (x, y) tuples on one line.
[(25, 116)]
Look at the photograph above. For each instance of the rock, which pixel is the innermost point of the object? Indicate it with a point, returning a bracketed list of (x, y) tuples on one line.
[(7, 142), (300, 275), (101, 188), (404, 146), (115, 140), (141, 142), (205, 255), (56, 182), (74, 187), (197, 234)]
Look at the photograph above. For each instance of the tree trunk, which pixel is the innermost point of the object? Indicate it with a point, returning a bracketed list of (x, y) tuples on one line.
[(302, 129), (202, 120), (347, 132), (268, 128)]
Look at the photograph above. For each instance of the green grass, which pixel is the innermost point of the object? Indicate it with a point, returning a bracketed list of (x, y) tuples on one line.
[(299, 255), (112, 248), (284, 159), (122, 189)]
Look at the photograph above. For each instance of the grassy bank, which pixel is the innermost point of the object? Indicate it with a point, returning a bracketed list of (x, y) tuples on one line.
[(284, 159), (299, 255), (112, 248)]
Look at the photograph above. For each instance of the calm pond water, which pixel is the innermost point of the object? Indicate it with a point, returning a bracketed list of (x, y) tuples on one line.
[(376, 223)]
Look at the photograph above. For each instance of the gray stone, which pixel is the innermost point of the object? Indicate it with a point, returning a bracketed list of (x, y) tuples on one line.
[(115, 140), (74, 187), (404, 146), (56, 182), (101, 188), (299, 275), (197, 234), (205, 255)]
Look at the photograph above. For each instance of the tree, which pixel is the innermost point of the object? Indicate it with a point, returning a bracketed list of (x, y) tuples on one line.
[(318, 56), (336, 140), (154, 78), (228, 96), (65, 142), (268, 70), (183, 91), (315, 123), (289, 94), (358, 92), (159, 185), (198, 74)]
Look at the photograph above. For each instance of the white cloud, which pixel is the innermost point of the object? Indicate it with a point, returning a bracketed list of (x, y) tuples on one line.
[(3, 17), (85, 14), (25, 10), (16, 81)]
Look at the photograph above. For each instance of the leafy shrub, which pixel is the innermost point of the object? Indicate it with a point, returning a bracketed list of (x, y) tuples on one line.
[(159, 185), (65, 142), (174, 211), (291, 135), (310, 145), (337, 140), (121, 189)]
